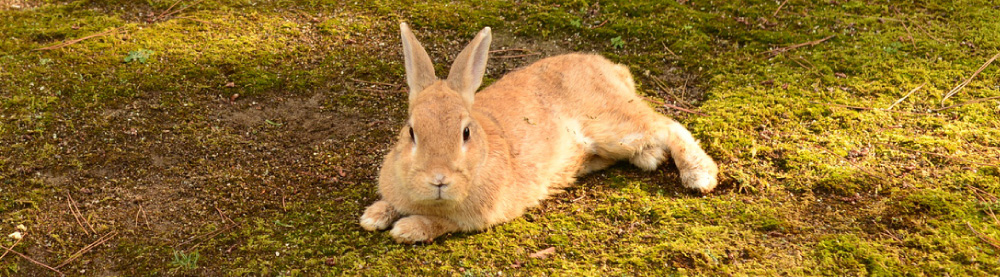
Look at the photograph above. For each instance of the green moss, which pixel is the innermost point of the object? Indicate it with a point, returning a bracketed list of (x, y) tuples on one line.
[(849, 255), (809, 186)]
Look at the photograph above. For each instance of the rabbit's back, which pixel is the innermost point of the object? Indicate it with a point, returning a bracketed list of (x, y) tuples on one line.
[(558, 112)]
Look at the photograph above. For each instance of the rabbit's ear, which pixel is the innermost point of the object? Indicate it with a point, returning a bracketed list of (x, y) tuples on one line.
[(419, 68), (467, 72)]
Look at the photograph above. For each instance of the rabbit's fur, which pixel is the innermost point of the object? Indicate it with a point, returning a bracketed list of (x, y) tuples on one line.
[(529, 135)]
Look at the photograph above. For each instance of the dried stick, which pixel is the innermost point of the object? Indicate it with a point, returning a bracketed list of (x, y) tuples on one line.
[(87, 248), (794, 46), (77, 215), (983, 237), (967, 102), (886, 231), (599, 25), (779, 8), (936, 154), (375, 83), (11, 246), (865, 108), (912, 40), (34, 261), (197, 20), (181, 9), (517, 56), (144, 216), (507, 50), (905, 96), (663, 86), (962, 85), (77, 207), (982, 192), (928, 33), (675, 107), (167, 11), (224, 217), (379, 90), (64, 44), (668, 50), (994, 216)]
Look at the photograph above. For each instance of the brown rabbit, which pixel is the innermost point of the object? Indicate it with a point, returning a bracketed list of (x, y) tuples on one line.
[(466, 161)]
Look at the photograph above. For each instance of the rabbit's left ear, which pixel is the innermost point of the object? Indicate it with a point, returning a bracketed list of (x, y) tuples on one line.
[(467, 72), (419, 68)]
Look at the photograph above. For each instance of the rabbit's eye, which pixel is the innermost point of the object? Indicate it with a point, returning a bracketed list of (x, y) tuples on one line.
[(412, 138), (465, 134)]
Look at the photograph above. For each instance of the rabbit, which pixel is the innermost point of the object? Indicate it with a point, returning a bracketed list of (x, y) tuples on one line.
[(466, 161)]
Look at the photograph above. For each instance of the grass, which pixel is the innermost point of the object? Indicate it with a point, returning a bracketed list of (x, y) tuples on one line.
[(248, 134)]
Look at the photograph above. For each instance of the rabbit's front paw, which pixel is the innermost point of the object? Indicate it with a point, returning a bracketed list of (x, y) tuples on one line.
[(701, 181), (378, 216), (413, 229), (703, 178)]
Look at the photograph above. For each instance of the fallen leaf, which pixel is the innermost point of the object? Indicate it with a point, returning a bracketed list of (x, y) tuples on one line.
[(543, 254)]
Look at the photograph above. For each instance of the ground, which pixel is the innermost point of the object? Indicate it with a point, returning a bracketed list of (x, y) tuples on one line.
[(232, 137)]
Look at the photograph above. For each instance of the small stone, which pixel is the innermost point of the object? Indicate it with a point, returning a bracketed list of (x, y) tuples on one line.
[(16, 235)]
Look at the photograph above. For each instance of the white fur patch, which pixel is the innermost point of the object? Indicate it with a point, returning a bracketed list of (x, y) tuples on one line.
[(372, 224), (574, 128), (630, 138)]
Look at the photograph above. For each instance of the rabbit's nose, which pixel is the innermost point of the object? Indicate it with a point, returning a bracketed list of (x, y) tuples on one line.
[(438, 180)]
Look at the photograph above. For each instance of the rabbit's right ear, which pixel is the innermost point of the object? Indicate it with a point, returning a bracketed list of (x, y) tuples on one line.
[(419, 68)]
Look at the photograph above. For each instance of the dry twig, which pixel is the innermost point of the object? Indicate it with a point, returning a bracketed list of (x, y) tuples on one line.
[(663, 87), (912, 40), (87, 248), (936, 154), (779, 8), (928, 33), (78, 215), (865, 108), (508, 50), (794, 46), (517, 56), (966, 103), (670, 51), (674, 107), (166, 14), (69, 42), (983, 237), (197, 20), (905, 96), (167, 11), (985, 194), (599, 25), (966, 82), (34, 261), (376, 83), (994, 216), (11, 247)]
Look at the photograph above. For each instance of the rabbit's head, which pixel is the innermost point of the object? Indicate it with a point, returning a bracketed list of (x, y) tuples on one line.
[(442, 146)]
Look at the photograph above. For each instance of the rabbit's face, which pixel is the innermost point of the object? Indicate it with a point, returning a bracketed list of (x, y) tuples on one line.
[(445, 145)]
